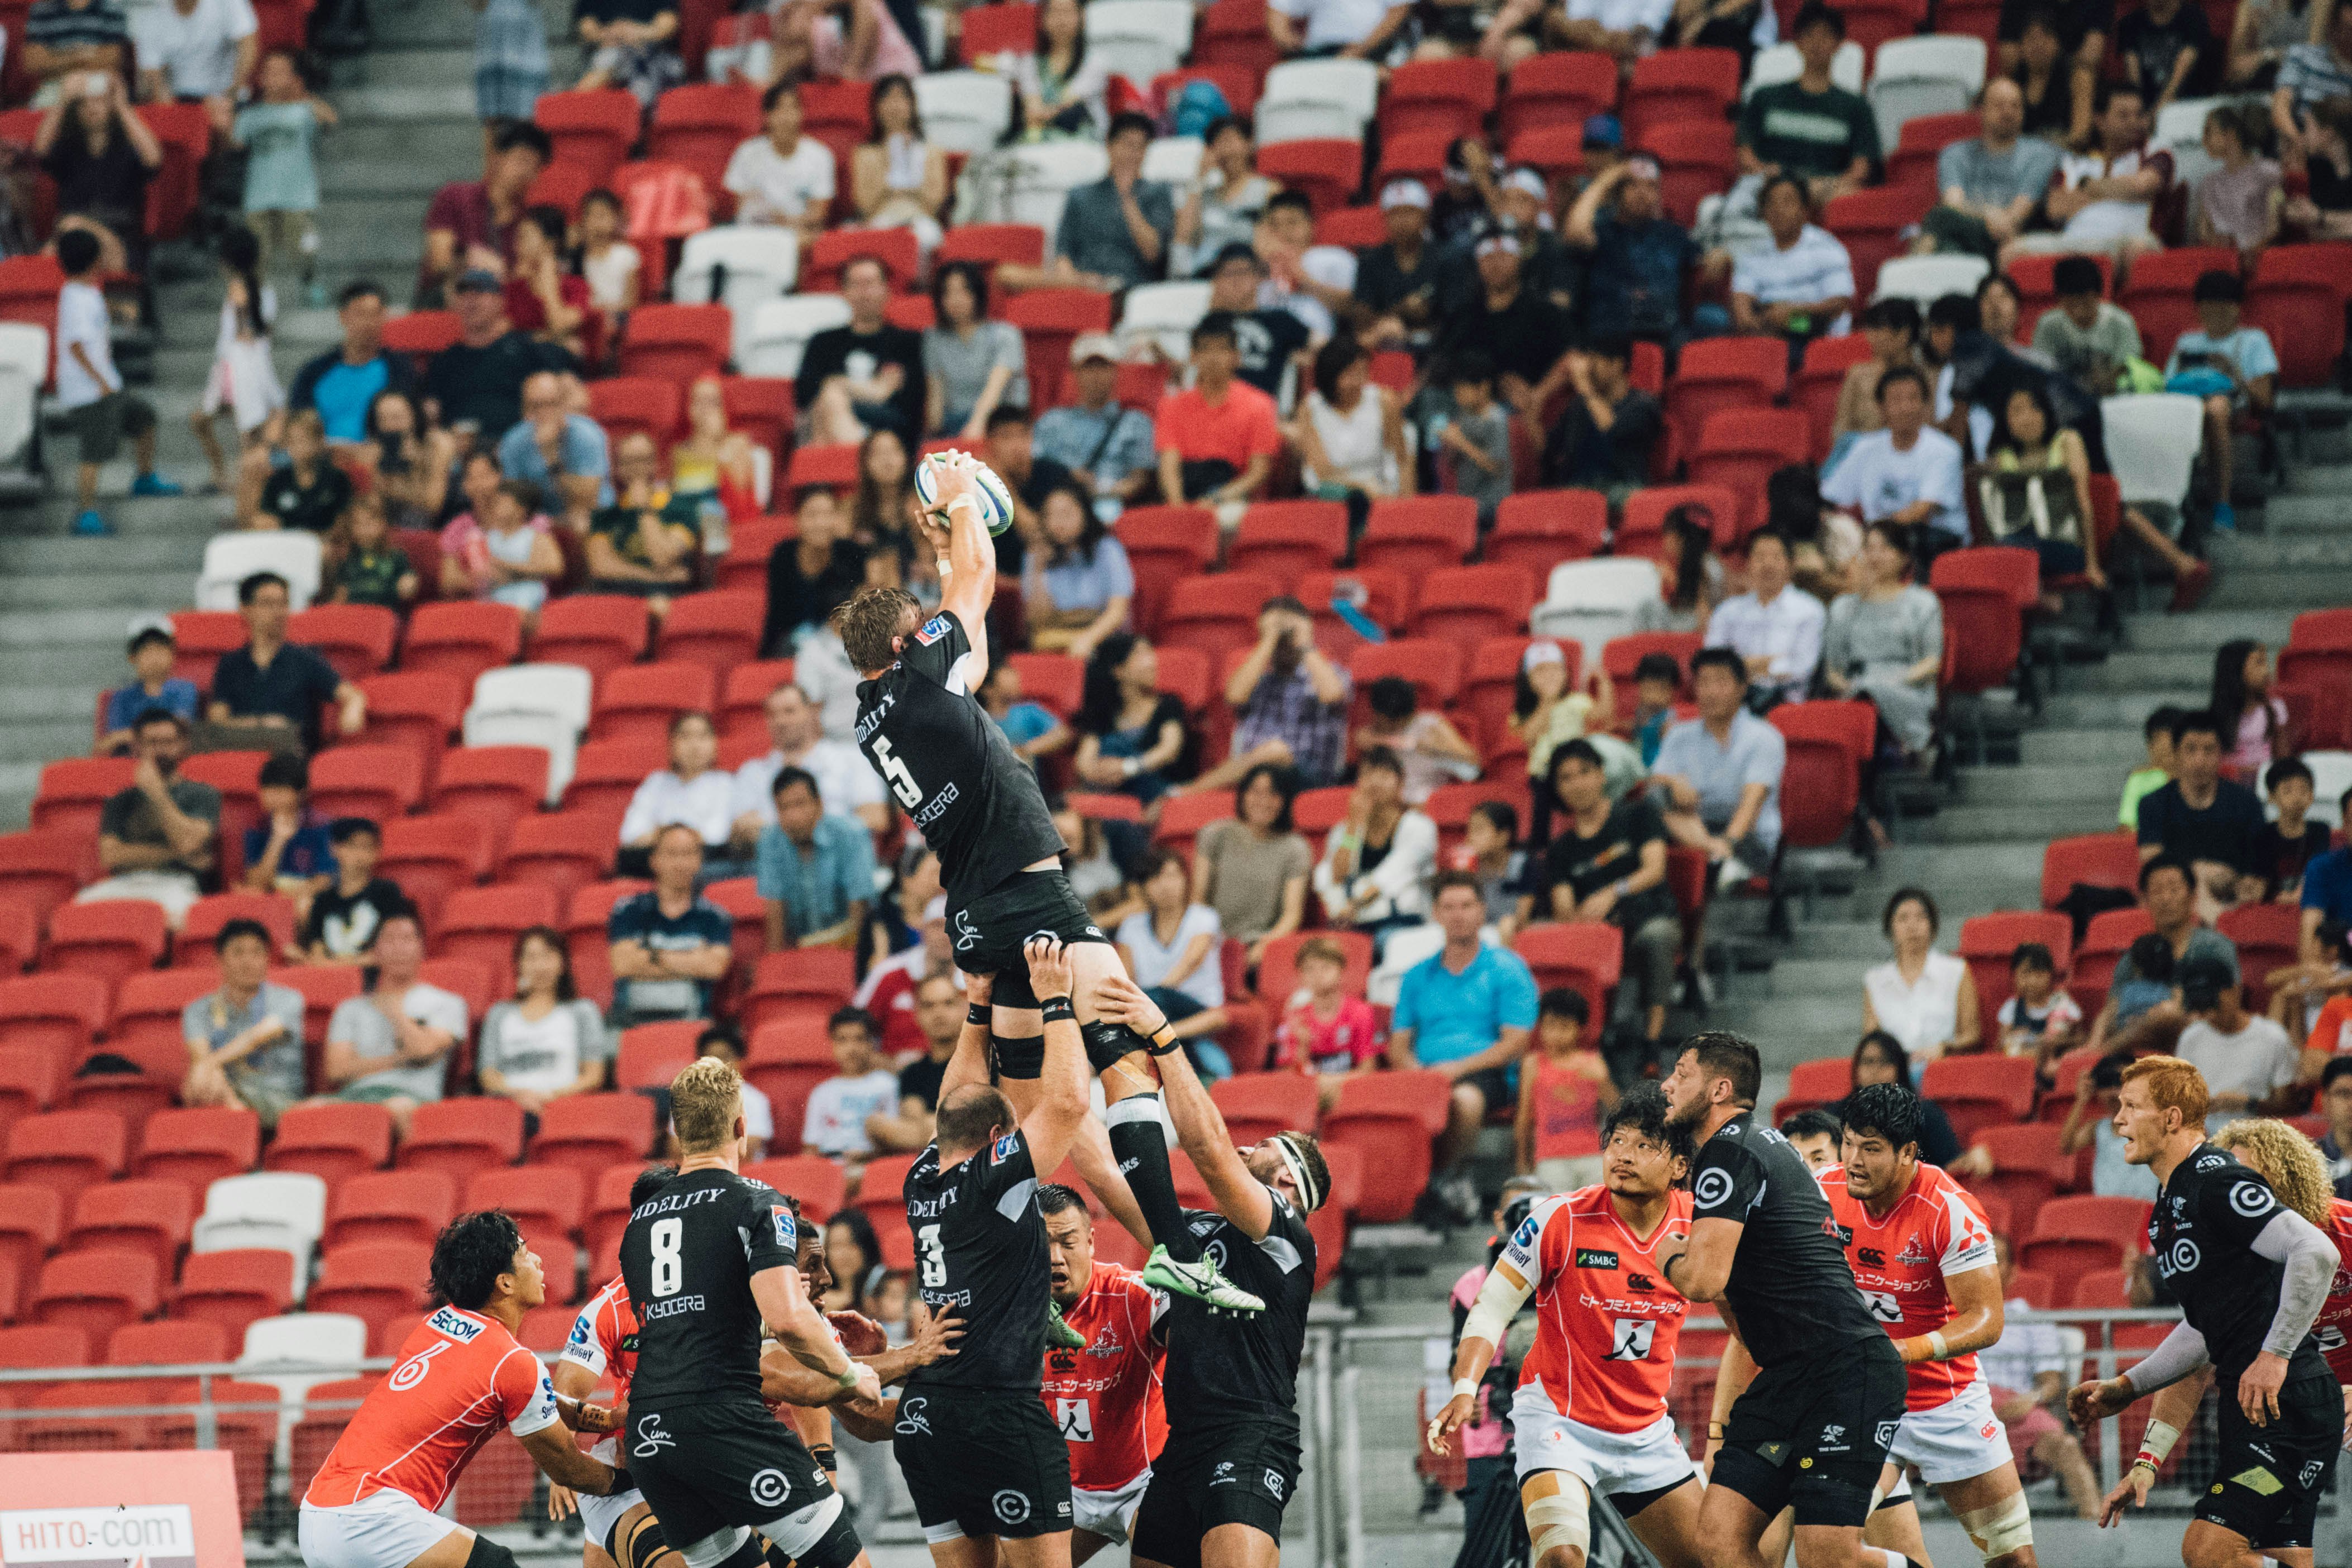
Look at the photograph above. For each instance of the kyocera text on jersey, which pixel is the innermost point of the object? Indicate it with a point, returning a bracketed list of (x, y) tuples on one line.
[(670, 1203)]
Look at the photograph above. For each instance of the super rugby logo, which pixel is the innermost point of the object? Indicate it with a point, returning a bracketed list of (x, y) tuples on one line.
[(1006, 1147), (933, 630), (2248, 1199), (1714, 1188)]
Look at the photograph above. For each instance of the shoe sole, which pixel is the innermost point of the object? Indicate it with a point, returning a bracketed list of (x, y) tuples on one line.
[(1168, 1280)]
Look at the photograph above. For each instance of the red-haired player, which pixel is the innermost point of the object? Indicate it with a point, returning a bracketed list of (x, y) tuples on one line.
[(1105, 1398)]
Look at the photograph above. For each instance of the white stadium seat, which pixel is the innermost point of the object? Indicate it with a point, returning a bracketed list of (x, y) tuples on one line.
[(1173, 160), (1594, 601), (964, 112), (1302, 99), (749, 263), (302, 1350), (24, 366), (1139, 38), (1164, 313), (282, 1209), (231, 558), (1781, 63), (542, 705), (780, 330), (1928, 278), (1938, 74), (1043, 173), (2153, 438)]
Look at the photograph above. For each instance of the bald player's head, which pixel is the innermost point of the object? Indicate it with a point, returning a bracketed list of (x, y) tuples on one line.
[(972, 1116)]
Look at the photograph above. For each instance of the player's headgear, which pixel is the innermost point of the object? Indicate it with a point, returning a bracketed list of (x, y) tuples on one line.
[(1304, 1160)]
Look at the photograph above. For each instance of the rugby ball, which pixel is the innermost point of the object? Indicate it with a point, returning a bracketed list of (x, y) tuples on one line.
[(996, 500)]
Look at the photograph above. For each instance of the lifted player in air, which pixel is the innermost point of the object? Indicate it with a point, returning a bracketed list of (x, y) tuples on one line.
[(1105, 1398), (1230, 1466), (711, 1263), (1813, 1429), (978, 805), (460, 1377), (1591, 1412), (2252, 1275)]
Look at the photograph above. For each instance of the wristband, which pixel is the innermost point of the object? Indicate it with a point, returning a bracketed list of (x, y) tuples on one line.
[(979, 1015), (822, 1454), (1937, 1349), (848, 1376), (2156, 1443), (622, 1482), (1715, 1431), (1057, 1010), (1164, 1040), (1465, 1388)]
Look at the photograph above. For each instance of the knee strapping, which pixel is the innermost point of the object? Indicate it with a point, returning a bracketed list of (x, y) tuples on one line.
[(2001, 1527), (636, 1546), (1135, 1108), (1558, 1523), (833, 1542), (488, 1553), (721, 1547)]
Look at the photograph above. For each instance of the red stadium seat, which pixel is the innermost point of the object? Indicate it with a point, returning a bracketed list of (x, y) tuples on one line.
[(1182, 818), (1410, 155), (547, 1204), (1434, 667), (193, 948), (676, 342), (498, 785), (170, 1343), (828, 467), (592, 131), (462, 640), (72, 792), (1583, 956), (2268, 936), (1820, 787), (332, 1142), (651, 1055), (58, 1012), (599, 632), (196, 1146), (608, 1216), (2157, 293), (1695, 160), (1491, 687), (419, 709), (1822, 379), (406, 1206), (108, 940), (1738, 450), (585, 928), (990, 244), (355, 638), (1467, 604), (2027, 1168), (1384, 594), (1277, 972), (1560, 88), (803, 982), (1869, 224), (2109, 936), (2073, 1236), (148, 1217), (420, 335), (1053, 680), (788, 1057), (1911, 165), (379, 783), (588, 1132), (629, 405), (1328, 169), (234, 1287), (639, 702), (2297, 296), (1452, 98), (743, 693), (1822, 1081), (97, 1290), (1679, 84), (1232, 33), (374, 1281), (1050, 320), (324, 987), (238, 776), (40, 871), (1215, 615), (562, 851), (1257, 1105), (32, 1218), (29, 1076), (1717, 373), (462, 1136), (433, 856), (1986, 941), (700, 124), (1540, 529), (1390, 1119), (895, 248), (482, 924), (2098, 859), (1241, 87), (1419, 535), (327, 1407), (817, 1182), (720, 630), (1979, 1089)]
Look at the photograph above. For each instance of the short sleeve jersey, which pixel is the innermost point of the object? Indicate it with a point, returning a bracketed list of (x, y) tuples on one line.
[(1789, 1287), (2203, 1229), (1105, 1398), (1934, 1231), (1606, 1322), (974, 800), (980, 1252), (459, 1378), (1226, 1368), (688, 1258), (603, 1339), (2334, 1329)]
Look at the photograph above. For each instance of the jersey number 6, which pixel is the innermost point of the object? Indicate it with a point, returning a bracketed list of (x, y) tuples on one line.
[(893, 768), (669, 1265)]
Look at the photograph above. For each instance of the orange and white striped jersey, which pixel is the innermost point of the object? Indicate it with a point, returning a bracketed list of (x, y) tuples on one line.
[(2334, 1328), (1900, 1262), (1606, 1321), (460, 1377)]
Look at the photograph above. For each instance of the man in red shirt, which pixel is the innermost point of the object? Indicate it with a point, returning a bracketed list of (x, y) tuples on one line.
[(1216, 441), (1105, 1398)]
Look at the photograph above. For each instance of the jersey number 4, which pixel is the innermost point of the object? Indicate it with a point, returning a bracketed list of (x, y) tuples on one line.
[(669, 1262), (932, 1253), (893, 768), (1631, 1340)]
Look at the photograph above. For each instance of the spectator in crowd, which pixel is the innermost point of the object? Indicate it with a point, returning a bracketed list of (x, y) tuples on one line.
[(1077, 586), (198, 51), (2328, 887), (864, 376), (345, 916), (1031, 728), (274, 686), (151, 652), (1171, 947), (1657, 679), (64, 38), (671, 946), (1489, 851), (101, 155), (1270, 341), (243, 382), (91, 390), (1330, 29), (1466, 1011), (1721, 771), (2336, 1104), (341, 383), (2261, 32), (2159, 734), (633, 46), (2303, 992), (1547, 712), (1564, 1090), (1396, 279), (1879, 1058), (1217, 439), (940, 1014), (1624, 29), (1891, 326), (2169, 53), (562, 453), (310, 491), (2000, 313), (1640, 261), (1774, 627), (2253, 717), (470, 224), (720, 1041), (1350, 432), (368, 567), (2054, 54), (1432, 749), (2323, 209), (479, 379), (821, 667), (1477, 434), (853, 1255), (2090, 1123), (810, 575), (692, 792), (546, 1040), (862, 1087), (2029, 1372), (1253, 867), (1131, 734), (1011, 451), (1523, 205), (2203, 820), (1525, 335), (1115, 233), (278, 133), (1810, 128), (1222, 208), (1884, 640), (847, 40), (1060, 92), (780, 176), (642, 540), (973, 365), (1327, 1029), (2291, 841), (407, 463), (2250, 1065), (504, 550), (1605, 438), (1815, 1135), (1991, 184), (846, 783), (896, 180), (1106, 446), (1607, 863), (2167, 891), (289, 850), (605, 258), (1377, 863), (1907, 473), (2234, 368), (390, 1045), (2035, 491), (2037, 1018), (243, 1040), (1799, 287), (2102, 199), (815, 869), (158, 838), (2237, 203), (2312, 73), (1926, 1000), (541, 297), (1290, 704)]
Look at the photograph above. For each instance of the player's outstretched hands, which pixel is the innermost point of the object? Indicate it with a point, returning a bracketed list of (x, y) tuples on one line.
[(2096, 1400), (1456, 1414), (2259, 1386), (935, 1340), (2133, 1488), (860, 1335), (1049, 966), (1117, 996)]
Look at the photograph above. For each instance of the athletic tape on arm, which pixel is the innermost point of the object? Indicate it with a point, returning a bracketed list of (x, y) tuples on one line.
[(1498, 1302)]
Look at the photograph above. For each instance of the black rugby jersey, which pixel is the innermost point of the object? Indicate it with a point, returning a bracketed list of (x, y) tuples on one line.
[(980, 1253), (1224, 1364), (1791, 1287), (2203, 1230), (688, 1258)]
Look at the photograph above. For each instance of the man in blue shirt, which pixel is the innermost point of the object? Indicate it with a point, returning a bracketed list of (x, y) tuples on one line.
[(342, 383), (815, 872), (562, 453), (670, 946), (2326, 890), (1720, 772), (1466, 1013), (1106, 446), (1640, 260)]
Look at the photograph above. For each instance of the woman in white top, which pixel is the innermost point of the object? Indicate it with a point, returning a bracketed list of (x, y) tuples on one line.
[(1377, 864), (1061, 90), (692, 790), (1351, 437), (780, 176), (548, 1041), (1171, 947), (1223, 206), (896, 180), (1923, 998)]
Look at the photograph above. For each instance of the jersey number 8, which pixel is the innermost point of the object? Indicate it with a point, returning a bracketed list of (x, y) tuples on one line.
[(934, 1256), (893, 768), (669, 1264)]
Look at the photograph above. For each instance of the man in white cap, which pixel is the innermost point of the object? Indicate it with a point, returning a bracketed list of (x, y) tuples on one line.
[(1106, 446), (1525, 335), (1397, 279), (1523, 200)]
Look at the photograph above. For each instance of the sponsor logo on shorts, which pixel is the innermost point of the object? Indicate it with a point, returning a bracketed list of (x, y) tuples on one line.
[(651, 1438), (1222, 1476), (771, 1487), (2258, 1480), (912, 1421), (2309, 1473), (1885, 1438), (967, 936), (1011, 1506), (1834, 1441), (1273, 1484), (1774, 1452), (1989, 1431)]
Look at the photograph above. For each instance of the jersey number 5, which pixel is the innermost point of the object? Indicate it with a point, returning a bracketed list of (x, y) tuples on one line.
[(669, 1264), (934, 1256), (893, 768)]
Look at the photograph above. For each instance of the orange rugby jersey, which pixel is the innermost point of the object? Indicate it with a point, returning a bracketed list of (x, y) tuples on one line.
[(2334, 1328), (1606, 1321), (605, 1339), (1900, 1262), (1105, 1398)]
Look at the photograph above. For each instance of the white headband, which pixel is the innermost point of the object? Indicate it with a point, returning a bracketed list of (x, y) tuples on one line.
[(1310, 1195)]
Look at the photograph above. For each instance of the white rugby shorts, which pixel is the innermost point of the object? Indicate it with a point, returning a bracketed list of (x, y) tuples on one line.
[(388, 1530), (1956, 1441), (598, 1515), (1109, 1514), (1651, 1459)]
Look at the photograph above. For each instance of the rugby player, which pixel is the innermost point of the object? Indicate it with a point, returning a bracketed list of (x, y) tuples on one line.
[(1106, 1397)]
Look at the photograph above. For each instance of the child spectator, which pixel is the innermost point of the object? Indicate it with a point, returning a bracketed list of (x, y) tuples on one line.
[(243, 383), (2252, 718), (2039, 1019), (373, 569), (345, 915), (1488, 851), (89, 389), (2283, 846), (152, 685), (1325, 1030), (290, 852), (2301, 992), (2237, 203), (504, 548), (2149, 986), (606, 258), (1478, 436), (2234, 367), (311, 490), (2085, 336), (1655, 680), (546, 1040), (281, 174), (719, 1040), (862, 1085), (1563, 1091), (1031, 727), (1171, 948), (2162, 729), (1425, 741)]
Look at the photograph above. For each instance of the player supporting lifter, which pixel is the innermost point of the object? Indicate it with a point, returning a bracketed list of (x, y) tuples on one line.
[(978, 805), (1590, 1411), (459, 1378), (708, 1262), (1230, 1466), (1105, 1398), (2250, 1276), (1813, 1429)]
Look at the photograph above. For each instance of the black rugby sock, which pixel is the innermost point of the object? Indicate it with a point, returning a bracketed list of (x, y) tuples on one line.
[(1141, 1151)]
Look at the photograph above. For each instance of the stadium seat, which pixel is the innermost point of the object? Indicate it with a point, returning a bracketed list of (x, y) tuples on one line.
[(676, 342), (1277, 972), (434, 855), (1054, 682), (589, 1132), (327, 1407), (1419, 535), (1383, 593), (374, 1281), (461, 638), (583, 927), (546, 1202), (462, 1136), (1050, 320), (408, 1207), (816, 1180), (1695, 160), (1594, 601), (231, 558), (2095, 860), (2108, 937), (1813, 1084), (1718, 373), (110, 940), (61, 1012), (238, 776), (29, 1076), (629, 405), (1467, 604), (82, 1423), (97, 1290), (562, 851), (2153, 439), (1559, 88), (73, 791), (1327, 170), (2268, 937), (1257, 1105), (895, 248), (700, 124), (1924, 279), (2158, 294), (355, 638), (196, 1146), (780, 331), (2072, 1236), (719, 629), (332, 1142), (1679, 84), (1986, 941), (1820, 380), (1980, 1089), (2027, 1168), (498, 785), (788, 1057), (65, 1150), (1738, 450), (148, 1217), (302, 1350), (208, 916), (1585, 956), (591, 130), (1433, 667), (1390, 1119), (180, 1342), (379, 783), (882, 1194), (1540, 529), (40, 871), (1452, 98), (1233, 35), (639, 702), (598, 632), (801, 982), (542, 705), (743, 693), (1215, 616), (650, 1055), (1869, 224), (481, 925), (1182, 818), (1303, 99), (2297, 296)]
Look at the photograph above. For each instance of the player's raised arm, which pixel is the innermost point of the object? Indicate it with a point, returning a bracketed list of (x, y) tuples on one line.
[(969, 1063), (1239, 1195), (1051, 1124), (967, 554), (1507, 1286)]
